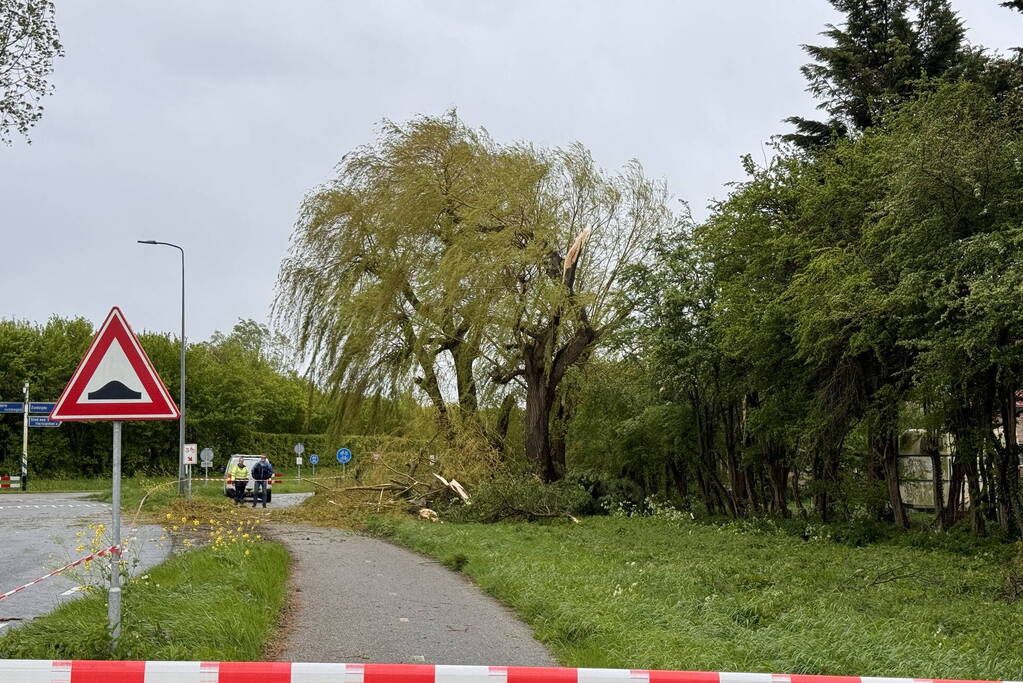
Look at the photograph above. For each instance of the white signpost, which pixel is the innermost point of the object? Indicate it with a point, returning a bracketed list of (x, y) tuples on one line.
[(190, 457), (207, 460), (299, 450), (115, 382)]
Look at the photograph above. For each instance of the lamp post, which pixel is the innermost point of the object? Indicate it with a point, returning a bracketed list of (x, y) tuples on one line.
[(181, 401)]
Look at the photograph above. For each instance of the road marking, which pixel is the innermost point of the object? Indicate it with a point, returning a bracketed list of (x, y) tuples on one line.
[(71, 590), (61, 505)]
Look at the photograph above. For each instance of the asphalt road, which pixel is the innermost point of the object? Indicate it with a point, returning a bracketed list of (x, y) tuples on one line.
[(37, 535), (359, 599)]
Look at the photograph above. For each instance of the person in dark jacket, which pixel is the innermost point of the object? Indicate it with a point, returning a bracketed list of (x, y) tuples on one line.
[(262, 471)]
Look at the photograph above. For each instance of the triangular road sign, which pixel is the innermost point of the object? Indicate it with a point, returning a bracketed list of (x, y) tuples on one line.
[(115, 380)]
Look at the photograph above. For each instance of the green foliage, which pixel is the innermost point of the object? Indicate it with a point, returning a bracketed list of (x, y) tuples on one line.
[(875, 61), (622, 430), (514, 497), (668, 594), (605, 492), (29, 42)]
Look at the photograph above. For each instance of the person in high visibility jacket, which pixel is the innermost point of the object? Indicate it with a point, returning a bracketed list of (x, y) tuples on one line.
[(239, 475)]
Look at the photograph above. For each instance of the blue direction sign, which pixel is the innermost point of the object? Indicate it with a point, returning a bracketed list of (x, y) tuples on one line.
[(11, 407), (313, 459), (41, 421), (40, 408), (343, 455)]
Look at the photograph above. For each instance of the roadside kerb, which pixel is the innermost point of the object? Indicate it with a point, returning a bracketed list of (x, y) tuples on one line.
[(56, 671)]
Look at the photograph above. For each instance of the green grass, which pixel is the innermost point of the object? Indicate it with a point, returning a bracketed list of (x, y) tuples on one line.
[(207, 604), (650, 593), (61, 485)]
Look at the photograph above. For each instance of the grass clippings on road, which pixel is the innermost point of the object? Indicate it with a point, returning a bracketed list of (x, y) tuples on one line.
[(660, 594)]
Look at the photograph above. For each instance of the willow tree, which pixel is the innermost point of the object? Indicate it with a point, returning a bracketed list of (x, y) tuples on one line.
[(379, 285), (569, 238), (437, 253)]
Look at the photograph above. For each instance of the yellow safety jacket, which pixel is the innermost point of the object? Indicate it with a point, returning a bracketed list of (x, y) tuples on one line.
[(239, 473)]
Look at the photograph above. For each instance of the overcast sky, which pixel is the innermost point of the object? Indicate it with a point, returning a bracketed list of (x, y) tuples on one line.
[(204, 123)]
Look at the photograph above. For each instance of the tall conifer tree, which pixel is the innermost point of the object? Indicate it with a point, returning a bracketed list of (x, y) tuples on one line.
[(874, 60)]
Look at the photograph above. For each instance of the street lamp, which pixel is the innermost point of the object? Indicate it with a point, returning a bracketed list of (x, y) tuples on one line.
[(181, 402)]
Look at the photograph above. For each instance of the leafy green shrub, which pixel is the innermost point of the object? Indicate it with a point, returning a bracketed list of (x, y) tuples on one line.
[(860, 532), (958, 541), (509, 497), (605, 492)]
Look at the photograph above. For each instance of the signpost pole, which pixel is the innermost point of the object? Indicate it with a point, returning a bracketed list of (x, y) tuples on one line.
[(114, 599), (24, 446)]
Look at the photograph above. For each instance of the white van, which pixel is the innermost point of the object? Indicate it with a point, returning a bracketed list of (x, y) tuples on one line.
[(250, 462)]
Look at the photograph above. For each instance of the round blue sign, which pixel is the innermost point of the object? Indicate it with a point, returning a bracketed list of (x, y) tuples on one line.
[(343, 455), (313, 459)]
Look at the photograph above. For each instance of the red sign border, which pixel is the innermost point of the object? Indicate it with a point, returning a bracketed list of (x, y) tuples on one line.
[(160, 407)]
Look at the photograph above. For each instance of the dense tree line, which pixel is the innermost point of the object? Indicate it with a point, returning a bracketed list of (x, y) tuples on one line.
[(241, 385), (866, 280)]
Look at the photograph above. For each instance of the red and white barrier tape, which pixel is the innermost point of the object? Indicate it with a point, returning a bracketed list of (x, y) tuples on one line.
[(46, 671), (77, 562)]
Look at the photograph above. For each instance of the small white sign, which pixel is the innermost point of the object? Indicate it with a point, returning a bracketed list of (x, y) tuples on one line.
[(298, 460), (299, 449), (191, 455)]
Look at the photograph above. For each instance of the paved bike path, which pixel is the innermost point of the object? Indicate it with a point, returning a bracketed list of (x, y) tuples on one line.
[(359, 599)]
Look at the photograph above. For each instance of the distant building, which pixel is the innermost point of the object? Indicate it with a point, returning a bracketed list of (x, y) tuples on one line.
[(916, 478)]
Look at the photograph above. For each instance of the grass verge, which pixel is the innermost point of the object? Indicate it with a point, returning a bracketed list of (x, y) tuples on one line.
[(214, 603), (669, 594), (61, 485)]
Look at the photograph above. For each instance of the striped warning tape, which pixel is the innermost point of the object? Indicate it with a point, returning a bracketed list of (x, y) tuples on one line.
[(10, 482), (77, 562), (46, 671)]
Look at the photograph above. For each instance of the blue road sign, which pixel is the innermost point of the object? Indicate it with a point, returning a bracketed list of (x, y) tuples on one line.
[(11, 407), (343, 455), (41, 421), (313, 459), (41, 408)]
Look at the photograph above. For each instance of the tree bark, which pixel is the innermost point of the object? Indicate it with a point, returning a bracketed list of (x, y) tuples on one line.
[(428, 383), (891, 479), (937, 483), (464, 358), (538, 438), (1010, 507), (499, 437)]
